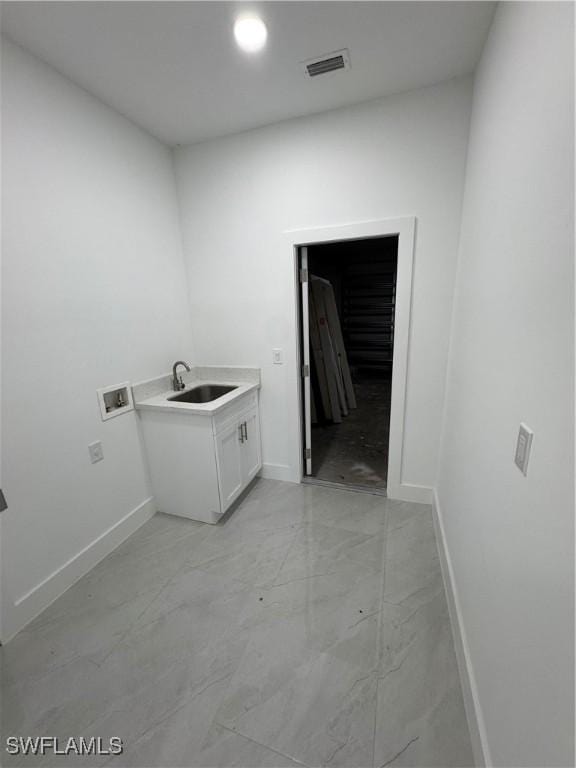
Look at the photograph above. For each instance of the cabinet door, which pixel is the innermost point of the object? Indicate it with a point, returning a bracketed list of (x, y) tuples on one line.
[(228, 456), (250, 448)]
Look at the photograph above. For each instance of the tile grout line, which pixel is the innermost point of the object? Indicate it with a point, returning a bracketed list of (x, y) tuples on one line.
[(164, 586), (379, 634), (265, 746), (288, 550)]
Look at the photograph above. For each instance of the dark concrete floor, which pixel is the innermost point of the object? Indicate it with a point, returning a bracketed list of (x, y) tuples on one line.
[(355, 452)]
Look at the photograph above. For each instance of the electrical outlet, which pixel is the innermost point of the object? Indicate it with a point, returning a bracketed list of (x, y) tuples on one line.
[(277, 357), (523, 445), (96, 452)]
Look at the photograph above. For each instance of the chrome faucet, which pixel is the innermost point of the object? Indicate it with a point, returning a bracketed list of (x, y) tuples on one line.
[(177, 383)]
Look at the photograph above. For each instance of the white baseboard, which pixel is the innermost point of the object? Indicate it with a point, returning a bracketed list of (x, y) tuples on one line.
[(28, 606), (474, 714), (419, 494), (278, 472)]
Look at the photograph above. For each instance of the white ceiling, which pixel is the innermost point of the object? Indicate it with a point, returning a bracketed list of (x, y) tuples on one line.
[(173, 67)]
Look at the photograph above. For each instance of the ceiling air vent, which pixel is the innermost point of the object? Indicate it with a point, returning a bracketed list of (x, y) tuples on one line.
[(330, 62)]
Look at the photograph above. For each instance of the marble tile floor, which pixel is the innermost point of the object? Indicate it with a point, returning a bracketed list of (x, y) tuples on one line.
[(310, 628)]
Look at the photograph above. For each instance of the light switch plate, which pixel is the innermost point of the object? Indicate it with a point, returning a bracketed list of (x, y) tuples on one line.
[(277, 357), (523, 446), (96, 452)]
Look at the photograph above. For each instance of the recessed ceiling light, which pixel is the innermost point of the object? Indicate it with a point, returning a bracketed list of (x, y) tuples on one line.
[(250, 33)]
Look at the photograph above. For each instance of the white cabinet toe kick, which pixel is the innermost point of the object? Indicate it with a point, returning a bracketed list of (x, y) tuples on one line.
[(200, 464)]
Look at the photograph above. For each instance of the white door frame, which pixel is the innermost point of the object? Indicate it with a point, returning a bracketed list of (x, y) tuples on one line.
[(405, 229), (306, 405)]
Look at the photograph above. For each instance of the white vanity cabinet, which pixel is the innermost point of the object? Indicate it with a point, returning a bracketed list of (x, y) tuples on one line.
[(238, 457), (201, 463)]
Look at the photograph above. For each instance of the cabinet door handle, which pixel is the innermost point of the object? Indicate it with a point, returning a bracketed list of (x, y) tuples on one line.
[(245, 431), (241, 433)]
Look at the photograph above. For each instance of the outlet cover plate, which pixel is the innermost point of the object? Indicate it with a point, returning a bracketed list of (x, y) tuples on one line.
[(95, 451), (523, 446)]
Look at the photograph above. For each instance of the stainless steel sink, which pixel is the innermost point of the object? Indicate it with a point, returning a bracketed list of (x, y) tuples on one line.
[(205, 393)]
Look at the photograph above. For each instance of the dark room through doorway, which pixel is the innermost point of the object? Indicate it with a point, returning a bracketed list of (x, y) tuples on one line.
[(348, 324)]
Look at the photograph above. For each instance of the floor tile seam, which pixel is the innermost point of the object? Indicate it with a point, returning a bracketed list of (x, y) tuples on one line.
[(317, 523), (52, 624), (233, 550), (440, 618), (101, 717), (158, 722), (402, 603), (339, 527), (399, 527), (108, 609), (334, 570), (171, 525), (380, 631), (437, 698), (167, 518), (366, 671), (327, 761), (416, 726), (137, 619), (403, 655), (45, 624), (140, 543), (135, 557), (311, 656), (366, 674), (32, 679), (166, 716), (264, 746), (367, 504), (209, 573), (299, 579), (363, 561), (204, 563), (285, 558), (413, 521), (248, 586), (213, 616), (397, 755), (340, 560), (418, 608), (188, 697), (351, 516), (276, 529), (425, 539)]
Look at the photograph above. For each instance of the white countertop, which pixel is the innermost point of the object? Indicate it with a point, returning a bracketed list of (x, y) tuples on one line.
[(155, 394), (163, 402)]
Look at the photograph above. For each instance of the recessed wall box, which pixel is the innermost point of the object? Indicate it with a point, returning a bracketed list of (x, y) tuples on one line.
[(115, 400)]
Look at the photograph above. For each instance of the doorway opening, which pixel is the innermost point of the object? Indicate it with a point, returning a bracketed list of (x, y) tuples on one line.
[(348, 302)]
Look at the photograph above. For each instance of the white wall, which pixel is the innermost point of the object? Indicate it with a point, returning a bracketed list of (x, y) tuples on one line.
[(94, 294), (400, 156), (510, 537)]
